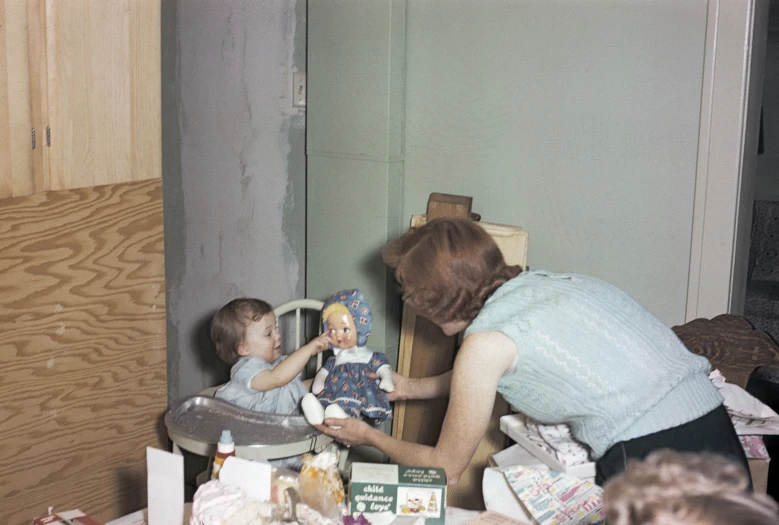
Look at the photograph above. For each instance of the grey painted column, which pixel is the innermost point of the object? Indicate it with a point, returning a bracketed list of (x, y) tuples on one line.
[(233, 169), (354, 132)]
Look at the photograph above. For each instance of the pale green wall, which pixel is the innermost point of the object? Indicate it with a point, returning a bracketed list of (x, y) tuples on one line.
[(354, 151), (575, 120)]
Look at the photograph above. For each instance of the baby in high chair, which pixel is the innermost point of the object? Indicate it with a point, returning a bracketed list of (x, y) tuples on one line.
[(245, 334), (354, 381)]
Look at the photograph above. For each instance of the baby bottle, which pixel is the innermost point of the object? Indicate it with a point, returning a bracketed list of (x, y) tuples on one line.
[(224, 449)]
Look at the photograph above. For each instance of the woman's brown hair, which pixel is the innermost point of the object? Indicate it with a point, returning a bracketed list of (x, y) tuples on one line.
[(228, 327), (448, 268)]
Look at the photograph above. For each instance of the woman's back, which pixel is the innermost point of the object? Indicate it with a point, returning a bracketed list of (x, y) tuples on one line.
[(591, 356)]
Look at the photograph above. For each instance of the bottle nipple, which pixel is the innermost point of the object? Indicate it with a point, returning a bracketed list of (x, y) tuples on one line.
[(226, 438)]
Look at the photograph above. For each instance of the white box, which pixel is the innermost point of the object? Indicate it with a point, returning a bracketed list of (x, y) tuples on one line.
[(513, 425)]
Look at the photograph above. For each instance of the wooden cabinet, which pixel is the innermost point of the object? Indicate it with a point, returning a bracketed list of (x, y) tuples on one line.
[(15, 119), (80, 90)]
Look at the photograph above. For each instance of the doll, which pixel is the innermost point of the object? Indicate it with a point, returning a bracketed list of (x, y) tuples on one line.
[(341, 388)]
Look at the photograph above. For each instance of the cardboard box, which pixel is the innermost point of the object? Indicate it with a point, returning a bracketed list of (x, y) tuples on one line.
[(403, 491), (758, 469), (513, 425)]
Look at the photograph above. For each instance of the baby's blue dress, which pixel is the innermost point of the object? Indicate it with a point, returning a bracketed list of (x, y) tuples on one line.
[(282, 400), (238, 391)]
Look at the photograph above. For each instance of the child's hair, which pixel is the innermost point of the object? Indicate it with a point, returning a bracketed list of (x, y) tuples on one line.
[(228, 327), (448, 268), (671, 488)]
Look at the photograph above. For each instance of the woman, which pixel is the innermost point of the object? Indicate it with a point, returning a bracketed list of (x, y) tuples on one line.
[(561, 348)]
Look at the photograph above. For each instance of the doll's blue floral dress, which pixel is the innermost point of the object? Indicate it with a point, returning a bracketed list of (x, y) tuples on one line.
[(348, 386)]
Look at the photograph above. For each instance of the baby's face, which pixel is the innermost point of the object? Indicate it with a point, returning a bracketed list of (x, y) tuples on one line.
[(262, 339), (342, 330)]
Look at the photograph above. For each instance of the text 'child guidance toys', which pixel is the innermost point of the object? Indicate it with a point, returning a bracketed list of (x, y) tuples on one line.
[(343, 387)]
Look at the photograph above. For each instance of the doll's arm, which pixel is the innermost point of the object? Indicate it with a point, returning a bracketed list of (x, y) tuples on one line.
[(319, 381), (385, 378)]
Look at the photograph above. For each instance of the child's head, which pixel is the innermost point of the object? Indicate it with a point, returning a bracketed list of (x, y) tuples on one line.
[(670, 488), (344, 313), (245, 327)]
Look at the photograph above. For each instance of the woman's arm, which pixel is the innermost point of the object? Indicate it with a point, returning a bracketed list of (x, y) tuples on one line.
[(425, 387), (417, 388), (481, 362), (290, 367)]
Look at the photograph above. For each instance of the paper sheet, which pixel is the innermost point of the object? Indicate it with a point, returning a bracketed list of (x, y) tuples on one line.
[(165, 487), (252, 476), (555, 498)]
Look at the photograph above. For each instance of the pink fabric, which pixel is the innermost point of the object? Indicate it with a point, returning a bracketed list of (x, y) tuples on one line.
[(754, 447)]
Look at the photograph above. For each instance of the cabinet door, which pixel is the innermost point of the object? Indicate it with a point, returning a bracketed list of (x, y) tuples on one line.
[(98, 68), (16, 177)]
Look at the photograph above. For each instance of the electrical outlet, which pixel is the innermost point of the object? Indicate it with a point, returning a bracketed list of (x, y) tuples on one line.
[(299, 89)]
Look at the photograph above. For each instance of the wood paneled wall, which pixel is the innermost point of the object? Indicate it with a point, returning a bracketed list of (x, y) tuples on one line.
[(82, 349)]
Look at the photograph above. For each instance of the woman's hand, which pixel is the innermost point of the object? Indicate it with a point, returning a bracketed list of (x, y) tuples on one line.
[(400, 382), (351, 432)]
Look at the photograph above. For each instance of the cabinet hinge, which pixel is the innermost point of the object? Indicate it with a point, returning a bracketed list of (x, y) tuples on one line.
[(33, 138), (48, 136)]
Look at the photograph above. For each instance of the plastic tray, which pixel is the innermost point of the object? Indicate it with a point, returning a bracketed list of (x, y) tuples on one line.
[(196, 423), (513, 425)]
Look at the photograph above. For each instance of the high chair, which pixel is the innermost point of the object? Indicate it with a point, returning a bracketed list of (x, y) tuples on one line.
[(195, 424)]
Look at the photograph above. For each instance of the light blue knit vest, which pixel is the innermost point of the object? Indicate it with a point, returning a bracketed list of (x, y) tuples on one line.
[(592, 357)]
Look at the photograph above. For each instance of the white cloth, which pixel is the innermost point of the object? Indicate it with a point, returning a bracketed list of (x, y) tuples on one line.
[(750, 416), (557, 440)]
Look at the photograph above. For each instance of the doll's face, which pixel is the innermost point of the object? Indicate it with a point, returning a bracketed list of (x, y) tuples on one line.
[(342, 330)]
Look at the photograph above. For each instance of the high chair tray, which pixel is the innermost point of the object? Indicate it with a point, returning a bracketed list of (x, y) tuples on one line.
[(196, 423)]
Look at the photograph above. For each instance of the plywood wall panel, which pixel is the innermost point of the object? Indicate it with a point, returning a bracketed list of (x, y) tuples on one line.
[(82, 350)]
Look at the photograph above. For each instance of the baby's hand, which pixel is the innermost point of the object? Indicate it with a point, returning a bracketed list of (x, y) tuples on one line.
[(320, 343)]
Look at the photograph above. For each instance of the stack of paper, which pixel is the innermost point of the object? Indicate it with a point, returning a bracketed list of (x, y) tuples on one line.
[(555, 498)]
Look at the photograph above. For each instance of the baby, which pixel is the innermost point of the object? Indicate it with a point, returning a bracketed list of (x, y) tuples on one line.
[(261, 379)]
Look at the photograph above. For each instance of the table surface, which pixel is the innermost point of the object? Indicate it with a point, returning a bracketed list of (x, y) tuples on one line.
[(454, 516)]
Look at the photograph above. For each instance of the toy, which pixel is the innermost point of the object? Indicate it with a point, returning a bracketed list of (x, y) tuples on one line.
[(342, 388)]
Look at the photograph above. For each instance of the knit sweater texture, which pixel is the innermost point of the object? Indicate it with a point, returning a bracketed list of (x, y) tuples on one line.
[(593, 358)]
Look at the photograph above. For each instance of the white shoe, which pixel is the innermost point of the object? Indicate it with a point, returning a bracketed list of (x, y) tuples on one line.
[(336, 412), (313, 410)]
